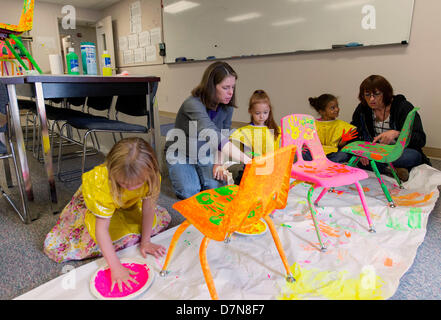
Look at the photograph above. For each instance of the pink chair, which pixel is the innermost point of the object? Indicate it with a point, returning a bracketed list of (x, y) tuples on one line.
[(300, 130)]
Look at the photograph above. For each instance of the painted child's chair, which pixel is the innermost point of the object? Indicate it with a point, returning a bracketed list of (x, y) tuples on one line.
[(381, 153), (300, 130), (217, 213), (11, 31)]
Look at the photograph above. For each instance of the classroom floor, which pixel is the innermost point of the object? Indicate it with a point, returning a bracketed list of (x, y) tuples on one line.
[(24, 266)]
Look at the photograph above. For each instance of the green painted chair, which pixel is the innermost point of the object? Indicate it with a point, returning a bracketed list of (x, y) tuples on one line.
[(381, 153), (12, 31)]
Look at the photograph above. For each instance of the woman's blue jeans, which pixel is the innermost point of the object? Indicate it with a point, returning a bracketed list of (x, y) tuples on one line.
[(187, 179), (409, 159)]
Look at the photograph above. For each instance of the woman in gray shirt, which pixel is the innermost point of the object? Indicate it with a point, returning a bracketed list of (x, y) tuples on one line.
[(201, 132)]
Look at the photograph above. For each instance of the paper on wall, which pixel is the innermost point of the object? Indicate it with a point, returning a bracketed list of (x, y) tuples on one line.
[(133, 41), (135, 8), (135, 24), (123, 44), (155, 36), (150, 53), (139, 55), (128, 57), (144, 39)]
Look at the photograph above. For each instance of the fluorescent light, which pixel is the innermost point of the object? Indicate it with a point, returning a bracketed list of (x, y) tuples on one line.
[(346, 4), (288, 22), (180, 6), (243, 17)]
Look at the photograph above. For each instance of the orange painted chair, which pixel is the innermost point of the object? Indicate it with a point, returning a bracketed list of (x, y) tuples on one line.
[(12, 31), (299, 130), (217, 213)]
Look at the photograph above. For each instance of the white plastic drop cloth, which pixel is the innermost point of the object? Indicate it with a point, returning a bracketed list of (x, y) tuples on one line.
[(356, 265)]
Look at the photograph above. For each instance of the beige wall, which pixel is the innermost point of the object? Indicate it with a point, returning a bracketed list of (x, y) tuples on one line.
[(45, 26), (413, 70)]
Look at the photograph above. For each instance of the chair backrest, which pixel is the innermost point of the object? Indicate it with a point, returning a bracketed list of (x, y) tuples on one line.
[(264, 187), (300, 130), (135, 105), (99, 103), (406, 131), (27, 16)]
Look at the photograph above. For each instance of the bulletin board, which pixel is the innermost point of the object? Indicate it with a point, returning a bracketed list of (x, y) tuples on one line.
[(137, 32)]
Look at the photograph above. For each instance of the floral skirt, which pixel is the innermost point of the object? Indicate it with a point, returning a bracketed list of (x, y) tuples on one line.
[(69, 239)]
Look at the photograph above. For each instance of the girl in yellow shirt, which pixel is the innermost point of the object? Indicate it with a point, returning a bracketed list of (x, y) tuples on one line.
[(114, 208), (259, 137), (334, 134)]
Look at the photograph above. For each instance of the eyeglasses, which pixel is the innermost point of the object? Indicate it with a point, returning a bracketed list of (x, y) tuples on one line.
[(372, 94), (259, 91)]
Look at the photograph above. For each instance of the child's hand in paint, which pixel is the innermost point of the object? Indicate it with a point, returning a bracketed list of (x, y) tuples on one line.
[(155, 250), (121, 275), (348, 136)]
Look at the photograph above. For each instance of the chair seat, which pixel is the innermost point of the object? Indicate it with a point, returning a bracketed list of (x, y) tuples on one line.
[(3, 149), (102, 123), (375, 151), (55, 113), (327, 174), (11, 28), (206, 209)]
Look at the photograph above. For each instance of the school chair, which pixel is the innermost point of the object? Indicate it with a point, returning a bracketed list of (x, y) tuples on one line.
[(132, 106), (11, 31), (7, 152), (300, 130), (217, 213), (382, 153)]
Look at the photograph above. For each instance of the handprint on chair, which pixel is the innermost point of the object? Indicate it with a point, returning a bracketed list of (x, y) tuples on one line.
[(350, 135)]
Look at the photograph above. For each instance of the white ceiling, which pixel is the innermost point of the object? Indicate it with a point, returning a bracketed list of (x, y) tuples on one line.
[(88, 4)]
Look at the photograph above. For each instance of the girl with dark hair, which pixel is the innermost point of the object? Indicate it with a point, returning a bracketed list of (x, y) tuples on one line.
[(202, 129), (334, 134), (379, 118)]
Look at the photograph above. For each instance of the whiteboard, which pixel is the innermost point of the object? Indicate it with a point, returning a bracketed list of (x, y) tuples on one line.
[(214, 27)]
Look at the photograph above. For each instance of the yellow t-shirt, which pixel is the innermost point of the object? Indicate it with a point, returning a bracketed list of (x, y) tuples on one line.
[(125, 219), (330, 133), (257, 138)]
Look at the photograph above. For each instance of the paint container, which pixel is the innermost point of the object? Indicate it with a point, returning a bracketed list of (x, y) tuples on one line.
[(88, 56)]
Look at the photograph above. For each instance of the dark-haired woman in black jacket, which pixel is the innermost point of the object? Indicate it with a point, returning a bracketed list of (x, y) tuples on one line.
[(380, 117)]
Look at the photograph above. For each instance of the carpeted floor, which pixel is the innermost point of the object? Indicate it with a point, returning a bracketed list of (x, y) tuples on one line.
[(24, 266)]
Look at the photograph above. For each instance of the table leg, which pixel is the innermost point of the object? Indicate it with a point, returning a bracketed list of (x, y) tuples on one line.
[(152, 105), (45, 141), (16, 126)]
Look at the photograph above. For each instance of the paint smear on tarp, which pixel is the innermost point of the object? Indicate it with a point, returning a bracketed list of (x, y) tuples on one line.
[(332, 285)]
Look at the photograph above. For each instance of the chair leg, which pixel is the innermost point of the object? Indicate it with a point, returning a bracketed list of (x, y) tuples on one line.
[(365, 207), (184, 225), (60, 146), (313, 213), (83, 161), (206, 269), (26, 52), (382, 184), (353, 161), (294, 183), (321, 196), (394, 173), (6, 166), (279, 247)]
